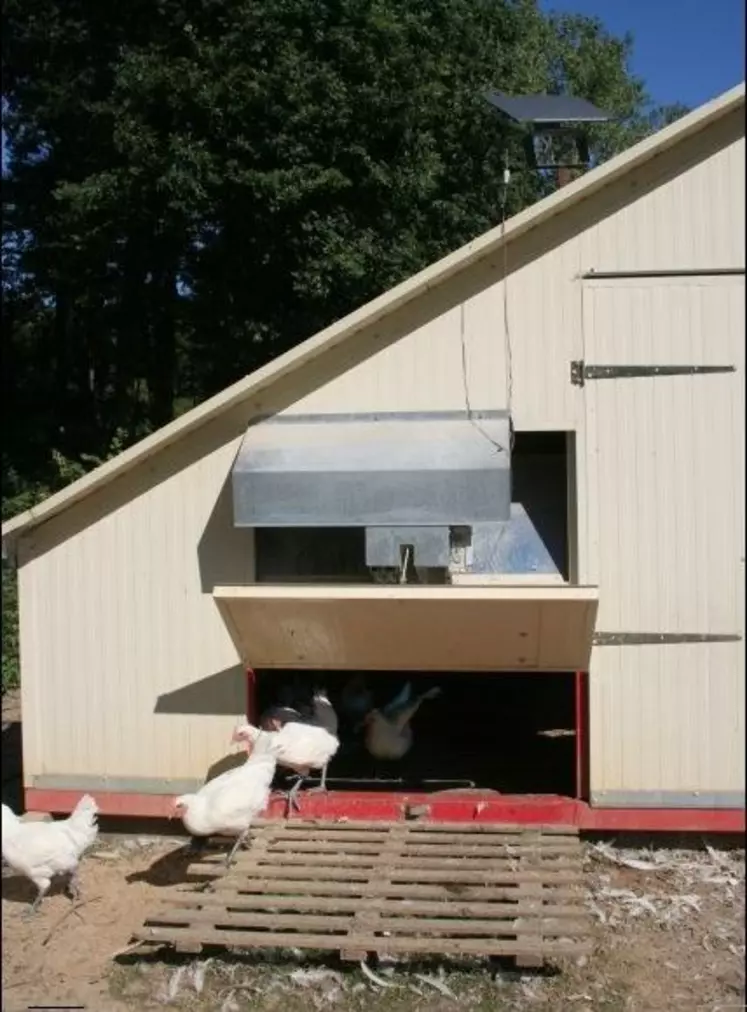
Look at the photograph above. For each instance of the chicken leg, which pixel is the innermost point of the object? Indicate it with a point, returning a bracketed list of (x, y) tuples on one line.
[(73, 887), (240, 840), (292, 796), (322, 785), (43, 887)]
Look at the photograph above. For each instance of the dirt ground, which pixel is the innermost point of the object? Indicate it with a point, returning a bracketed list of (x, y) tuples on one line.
[(670, 935)]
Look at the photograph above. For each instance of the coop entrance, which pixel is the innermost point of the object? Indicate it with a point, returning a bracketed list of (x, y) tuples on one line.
[(512, 732), (503, 657)]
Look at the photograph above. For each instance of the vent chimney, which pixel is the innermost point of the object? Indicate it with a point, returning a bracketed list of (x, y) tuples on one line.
[(552, 129), (563, 175)]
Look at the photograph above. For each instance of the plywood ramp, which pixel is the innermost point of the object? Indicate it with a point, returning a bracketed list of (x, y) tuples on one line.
[(411, 627), (357, 888)]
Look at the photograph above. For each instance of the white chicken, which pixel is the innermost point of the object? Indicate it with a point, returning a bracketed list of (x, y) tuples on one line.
[(388, 734), (325, 716), (228, 804), (299, 746), (41, 850)]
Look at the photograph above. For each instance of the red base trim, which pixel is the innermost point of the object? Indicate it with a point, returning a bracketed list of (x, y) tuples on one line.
[(510, 808)]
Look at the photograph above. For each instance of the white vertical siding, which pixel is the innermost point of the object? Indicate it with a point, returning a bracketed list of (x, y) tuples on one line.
[(664, 534), (666, 454), (466, 357), (119, 629), (694, 220), (517, 341), (453, 358), (463, 358), (667, 719)]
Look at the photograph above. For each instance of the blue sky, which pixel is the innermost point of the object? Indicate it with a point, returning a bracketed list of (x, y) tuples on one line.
[(685, 50)]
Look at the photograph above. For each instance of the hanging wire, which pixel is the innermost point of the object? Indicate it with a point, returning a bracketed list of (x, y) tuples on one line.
[(465, 379), (405, 563), (506, 328), (506, 331)]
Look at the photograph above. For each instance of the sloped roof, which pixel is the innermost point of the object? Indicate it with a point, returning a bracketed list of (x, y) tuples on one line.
[(346, 328)]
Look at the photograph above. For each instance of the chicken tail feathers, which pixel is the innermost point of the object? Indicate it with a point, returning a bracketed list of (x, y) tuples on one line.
[(401, 719), (325, 714), (401, 699)]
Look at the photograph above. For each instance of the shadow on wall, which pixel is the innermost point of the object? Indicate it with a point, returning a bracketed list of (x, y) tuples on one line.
[(225, 554), (228, 762), (219, 695)]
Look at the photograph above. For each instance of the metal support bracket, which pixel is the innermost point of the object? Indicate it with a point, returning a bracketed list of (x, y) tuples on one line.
[(581, 372)]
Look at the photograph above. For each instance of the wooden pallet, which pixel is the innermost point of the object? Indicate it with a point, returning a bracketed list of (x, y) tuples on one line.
[(370, 887)]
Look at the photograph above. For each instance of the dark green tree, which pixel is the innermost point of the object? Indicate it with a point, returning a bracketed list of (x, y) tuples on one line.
[(196, 186)]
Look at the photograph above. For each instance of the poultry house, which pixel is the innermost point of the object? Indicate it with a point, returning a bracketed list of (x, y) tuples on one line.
[(42, 850)]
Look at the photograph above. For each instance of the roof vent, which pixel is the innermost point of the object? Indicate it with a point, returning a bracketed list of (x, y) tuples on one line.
[(553, 129)]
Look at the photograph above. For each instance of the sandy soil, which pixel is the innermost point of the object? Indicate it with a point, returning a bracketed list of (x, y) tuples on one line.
[(670, 935)]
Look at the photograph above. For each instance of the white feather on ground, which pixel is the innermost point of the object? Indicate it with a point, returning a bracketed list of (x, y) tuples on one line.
[(228, 804), (42, 850)]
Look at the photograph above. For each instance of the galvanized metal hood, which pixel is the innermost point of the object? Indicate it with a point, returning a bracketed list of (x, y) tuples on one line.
[(445, 468)]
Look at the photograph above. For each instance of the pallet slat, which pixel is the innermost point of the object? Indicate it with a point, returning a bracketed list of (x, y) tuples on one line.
[(445, 946), (451, 876), (399, 907), (410, 850), (334, 860), (451, 889), (402, 890), (545, 926)]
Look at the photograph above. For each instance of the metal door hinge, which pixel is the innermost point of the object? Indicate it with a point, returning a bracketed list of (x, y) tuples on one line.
[(581, 372), (622, 639)]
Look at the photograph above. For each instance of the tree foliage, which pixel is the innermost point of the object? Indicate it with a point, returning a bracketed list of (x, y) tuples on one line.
[(194, 186)]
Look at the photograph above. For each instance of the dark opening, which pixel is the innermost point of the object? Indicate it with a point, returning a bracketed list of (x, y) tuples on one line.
[(485, 731), (311, 555), (540, 482)]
